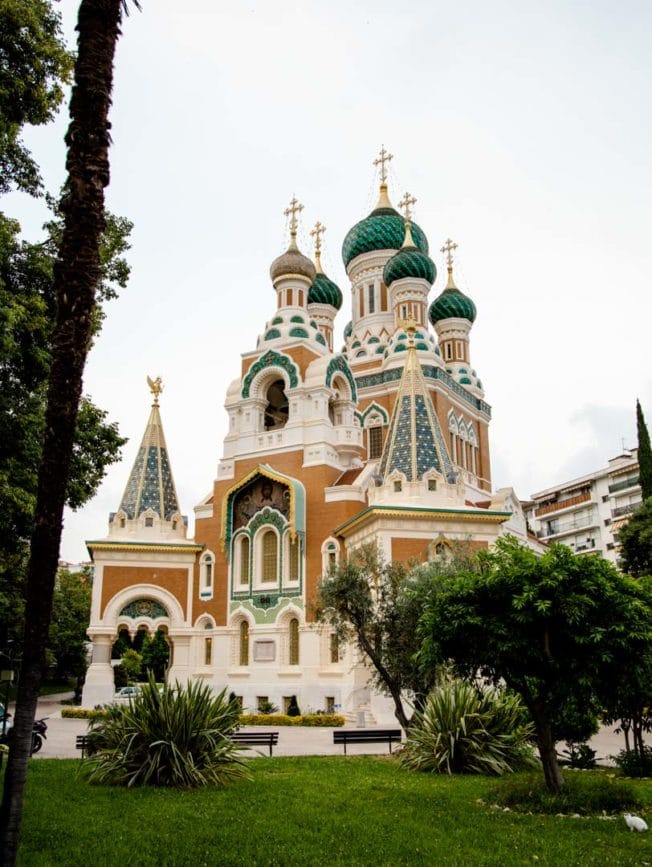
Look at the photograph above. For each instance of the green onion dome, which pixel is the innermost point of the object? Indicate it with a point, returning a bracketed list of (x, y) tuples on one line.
[(348, 330), (323, 290), (409, 262), (383, 229), (452, 304), (292, 262)]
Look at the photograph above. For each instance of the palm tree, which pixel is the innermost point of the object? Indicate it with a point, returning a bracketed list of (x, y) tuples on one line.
[(76, 276)]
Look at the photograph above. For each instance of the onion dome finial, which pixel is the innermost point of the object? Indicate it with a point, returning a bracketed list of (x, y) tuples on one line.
[(451, 304), (323, 289), (292, 263)]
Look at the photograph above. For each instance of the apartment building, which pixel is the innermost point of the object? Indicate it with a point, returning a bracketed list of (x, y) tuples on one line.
[(587, 513)]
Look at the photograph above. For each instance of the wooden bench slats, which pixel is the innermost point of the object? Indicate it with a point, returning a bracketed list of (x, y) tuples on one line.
[(367, 736), (256, 739)]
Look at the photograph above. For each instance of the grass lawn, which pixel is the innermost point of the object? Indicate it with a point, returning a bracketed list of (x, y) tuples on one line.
[(327, 810)]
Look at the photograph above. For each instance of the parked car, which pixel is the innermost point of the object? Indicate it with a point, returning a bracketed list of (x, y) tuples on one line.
[(128, 692)]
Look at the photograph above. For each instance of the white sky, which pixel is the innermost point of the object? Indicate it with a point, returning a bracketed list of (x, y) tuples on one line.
[(524, 130)]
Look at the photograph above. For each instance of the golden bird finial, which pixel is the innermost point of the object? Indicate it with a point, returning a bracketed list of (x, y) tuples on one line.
[(156, 387)]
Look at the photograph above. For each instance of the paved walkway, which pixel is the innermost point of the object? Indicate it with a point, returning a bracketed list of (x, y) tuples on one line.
[(299, 741)]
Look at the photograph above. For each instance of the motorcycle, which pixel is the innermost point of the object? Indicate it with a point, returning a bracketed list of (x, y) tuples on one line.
[(38, 732)]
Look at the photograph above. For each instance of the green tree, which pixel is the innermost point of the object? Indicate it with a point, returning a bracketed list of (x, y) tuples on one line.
[(156, 655), (635, 540), (644, 453), (377, 607), (77, 273), (557, 629), (132, 662), (34, 63), (71, 608)]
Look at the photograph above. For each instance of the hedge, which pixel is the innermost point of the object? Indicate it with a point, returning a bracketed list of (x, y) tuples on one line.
[(247, 719), (281, 719)]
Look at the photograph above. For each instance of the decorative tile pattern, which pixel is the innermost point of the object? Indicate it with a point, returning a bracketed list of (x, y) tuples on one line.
[(339, 364), (414, 443), (324, 291), (372, 380), (150, 484), (409, 262), (270, 359), (144, 608), (383, 229), (452, 304)]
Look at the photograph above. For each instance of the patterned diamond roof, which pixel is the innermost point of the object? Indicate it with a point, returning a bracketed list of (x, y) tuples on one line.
[(383, 229), (415, 443), (150, 484)]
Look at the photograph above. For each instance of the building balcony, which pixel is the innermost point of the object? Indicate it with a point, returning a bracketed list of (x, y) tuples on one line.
[(567, 527), (562, 504), (625, 510), (624, 484)]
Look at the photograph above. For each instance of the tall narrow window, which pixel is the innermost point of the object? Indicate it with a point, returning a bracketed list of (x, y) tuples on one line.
[(334, 648), (208, 651), (375, 442), (300, 297), (294, 560), (383, 296), (244, 561), (372, 298), (361, 297), (290, 298), (270, 556), (208, 572), (244, 643), (294, 641)]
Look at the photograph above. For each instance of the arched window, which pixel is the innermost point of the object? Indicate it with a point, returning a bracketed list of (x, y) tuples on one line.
[(207, 572), (244, 643), (375, 435), (277, 411), (293, 573), (269, 543), (244, 561), (294, 641)]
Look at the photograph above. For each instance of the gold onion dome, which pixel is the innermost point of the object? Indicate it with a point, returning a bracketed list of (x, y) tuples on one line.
[(292, 262)]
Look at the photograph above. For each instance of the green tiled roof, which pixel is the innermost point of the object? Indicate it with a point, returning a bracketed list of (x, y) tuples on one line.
[(452, 304), (150, 484), (324, 291), (383, 229), (409, 262)]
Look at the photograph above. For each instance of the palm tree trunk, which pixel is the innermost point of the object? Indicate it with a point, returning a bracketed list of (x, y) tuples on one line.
[(76, 276)]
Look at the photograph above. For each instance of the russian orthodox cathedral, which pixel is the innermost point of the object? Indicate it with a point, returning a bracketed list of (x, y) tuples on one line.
[(384, 441)]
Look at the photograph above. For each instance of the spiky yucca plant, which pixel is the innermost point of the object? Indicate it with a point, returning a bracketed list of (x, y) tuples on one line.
[(466, 729), (167, 737)]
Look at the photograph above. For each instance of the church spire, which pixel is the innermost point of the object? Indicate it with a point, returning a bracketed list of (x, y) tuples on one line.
[(150, 484), (415, 443)]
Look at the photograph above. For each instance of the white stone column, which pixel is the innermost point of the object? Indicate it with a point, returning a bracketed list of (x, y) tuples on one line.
[(181, 668), (98, 686)]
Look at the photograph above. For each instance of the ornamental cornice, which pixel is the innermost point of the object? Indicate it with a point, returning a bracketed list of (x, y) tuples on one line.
[(147, 547), (463, 515)]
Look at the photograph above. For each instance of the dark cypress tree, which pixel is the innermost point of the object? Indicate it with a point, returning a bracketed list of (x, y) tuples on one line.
[(644, 453)]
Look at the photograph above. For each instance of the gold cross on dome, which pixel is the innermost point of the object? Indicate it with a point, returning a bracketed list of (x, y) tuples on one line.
[(448, 248), (291, 212), (383, 158), (405, 204), (316, 232)]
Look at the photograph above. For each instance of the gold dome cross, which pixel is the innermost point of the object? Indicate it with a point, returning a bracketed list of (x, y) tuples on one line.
[(383, 157), (448, 248), (405, 204)]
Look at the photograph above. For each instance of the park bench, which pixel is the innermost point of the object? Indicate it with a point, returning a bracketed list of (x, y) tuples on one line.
[(81, 743), (367, 736), (255, 739)]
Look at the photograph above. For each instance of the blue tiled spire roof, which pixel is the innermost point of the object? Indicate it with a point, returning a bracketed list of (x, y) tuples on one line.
[(150, 484), (415, 443)]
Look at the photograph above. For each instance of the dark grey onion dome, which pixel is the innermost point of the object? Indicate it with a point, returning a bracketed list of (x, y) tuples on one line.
[(292, 262)]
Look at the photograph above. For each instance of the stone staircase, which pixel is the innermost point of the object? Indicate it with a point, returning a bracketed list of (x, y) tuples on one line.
[(351, 717)]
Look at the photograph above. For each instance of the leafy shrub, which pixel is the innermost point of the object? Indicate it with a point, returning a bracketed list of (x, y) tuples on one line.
[(635, 764), (167, 737), (266, 707), (464, 729), (281, 719), (579, 756), (585, 793), (83, 713)]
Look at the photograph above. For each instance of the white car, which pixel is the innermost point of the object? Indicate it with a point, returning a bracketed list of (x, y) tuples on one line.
[(128, 692)]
